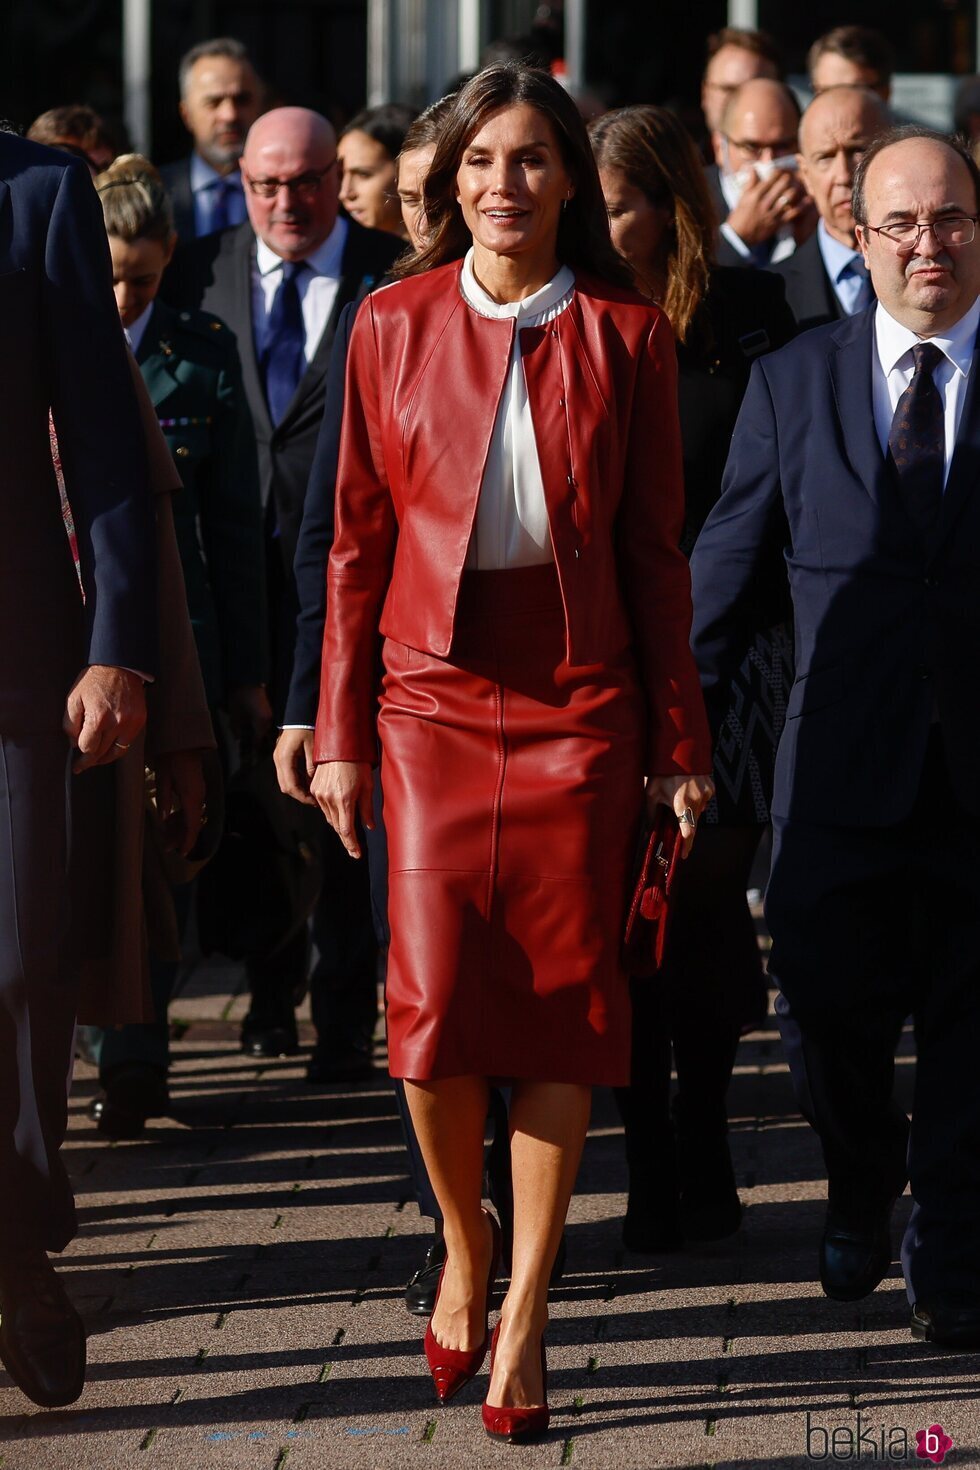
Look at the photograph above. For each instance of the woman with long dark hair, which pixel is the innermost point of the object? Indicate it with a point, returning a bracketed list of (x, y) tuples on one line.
[(682, 1185), (509, 502)]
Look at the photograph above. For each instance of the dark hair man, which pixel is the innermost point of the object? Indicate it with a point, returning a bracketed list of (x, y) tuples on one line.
[(220, 98), (735, 55), (852, 56)]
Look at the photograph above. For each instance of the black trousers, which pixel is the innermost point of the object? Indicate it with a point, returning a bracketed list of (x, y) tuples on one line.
[(344, 981), (871, 925), (692, 1013), (38, 991)]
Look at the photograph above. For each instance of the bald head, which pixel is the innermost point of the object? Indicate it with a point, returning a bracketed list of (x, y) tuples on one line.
[(759, 125), (290, 134), (837, 129), (761, 106), (296, 149)]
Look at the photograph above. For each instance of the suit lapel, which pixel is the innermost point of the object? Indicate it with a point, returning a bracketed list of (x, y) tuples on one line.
[(350, 283), (850, 371), (964, 471), (239, 318)]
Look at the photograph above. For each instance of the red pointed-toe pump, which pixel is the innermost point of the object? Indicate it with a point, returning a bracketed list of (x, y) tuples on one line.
[(452, 1368), (517, 1425)]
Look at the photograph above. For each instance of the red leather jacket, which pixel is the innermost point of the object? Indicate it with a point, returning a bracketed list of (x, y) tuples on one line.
[(425, 376)]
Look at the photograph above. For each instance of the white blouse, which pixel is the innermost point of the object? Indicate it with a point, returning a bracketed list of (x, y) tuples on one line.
[(511, 527)]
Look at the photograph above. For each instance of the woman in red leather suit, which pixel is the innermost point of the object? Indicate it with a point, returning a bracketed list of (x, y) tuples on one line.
[(509, 502)]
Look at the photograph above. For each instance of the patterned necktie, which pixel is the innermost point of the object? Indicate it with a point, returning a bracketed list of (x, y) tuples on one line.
[(917, 441), (284, 355)]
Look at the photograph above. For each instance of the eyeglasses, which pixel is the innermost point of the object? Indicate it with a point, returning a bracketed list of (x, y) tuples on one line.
[(905, 234), (304, 186)]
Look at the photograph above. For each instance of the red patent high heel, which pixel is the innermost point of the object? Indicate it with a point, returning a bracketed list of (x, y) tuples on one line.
[(515, 1425), (453, 1368)]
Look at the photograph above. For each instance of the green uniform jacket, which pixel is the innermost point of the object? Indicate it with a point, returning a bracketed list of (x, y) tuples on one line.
[(190, 365)]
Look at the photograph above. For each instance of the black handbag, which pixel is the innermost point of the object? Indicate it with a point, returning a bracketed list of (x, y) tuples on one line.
[(263, 883)]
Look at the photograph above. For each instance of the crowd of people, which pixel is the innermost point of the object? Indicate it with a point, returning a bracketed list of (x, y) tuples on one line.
[(373, 533)]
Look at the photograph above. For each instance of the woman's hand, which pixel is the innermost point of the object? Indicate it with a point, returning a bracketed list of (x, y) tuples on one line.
[(343, 791), (686, 796)]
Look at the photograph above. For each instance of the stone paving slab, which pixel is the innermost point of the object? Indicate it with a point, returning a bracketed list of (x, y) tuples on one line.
[(241, 1269)]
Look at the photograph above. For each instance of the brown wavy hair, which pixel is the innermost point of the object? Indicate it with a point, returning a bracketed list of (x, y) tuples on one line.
[(583, 228), (657, 155)]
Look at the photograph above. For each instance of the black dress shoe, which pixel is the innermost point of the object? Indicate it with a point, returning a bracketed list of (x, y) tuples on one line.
[(854, 1258), (42, 1340), (350, 1065), (130, 1095), (269, 1041), (420, 1293), (952, 1327)]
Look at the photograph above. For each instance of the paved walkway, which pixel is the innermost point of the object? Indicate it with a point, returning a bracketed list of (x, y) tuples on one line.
[(240, 1271)]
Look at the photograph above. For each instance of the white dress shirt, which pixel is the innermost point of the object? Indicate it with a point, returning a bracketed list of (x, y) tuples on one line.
[(892, 367), (512, 528), (317, 285), (134, 333)]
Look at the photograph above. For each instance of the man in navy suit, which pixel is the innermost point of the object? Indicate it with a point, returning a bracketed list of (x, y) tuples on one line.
[(71, 675), (857, 457), (220, 98)]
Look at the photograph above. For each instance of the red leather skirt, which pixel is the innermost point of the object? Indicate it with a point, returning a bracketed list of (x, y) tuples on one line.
[(512, 794)]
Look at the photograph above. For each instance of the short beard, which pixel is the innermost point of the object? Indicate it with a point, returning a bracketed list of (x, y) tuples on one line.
[(221, 158)]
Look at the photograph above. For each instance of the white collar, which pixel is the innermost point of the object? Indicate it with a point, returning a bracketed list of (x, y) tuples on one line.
[(894, 341), (203, 176), (547, 296), (325, 260), (134, 333)]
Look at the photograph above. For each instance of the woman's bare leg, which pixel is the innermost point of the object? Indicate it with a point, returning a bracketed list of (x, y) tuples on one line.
[(450, 1118), (548, 1124)]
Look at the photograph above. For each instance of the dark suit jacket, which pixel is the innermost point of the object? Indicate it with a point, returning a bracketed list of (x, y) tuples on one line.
[(62, 348), (743, 316), (809, 293), (191, 369), (177, 179), (316, 537), (216, 273), (887, 628)]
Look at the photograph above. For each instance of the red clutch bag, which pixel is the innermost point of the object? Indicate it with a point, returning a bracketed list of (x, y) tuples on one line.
[(649, 910)]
